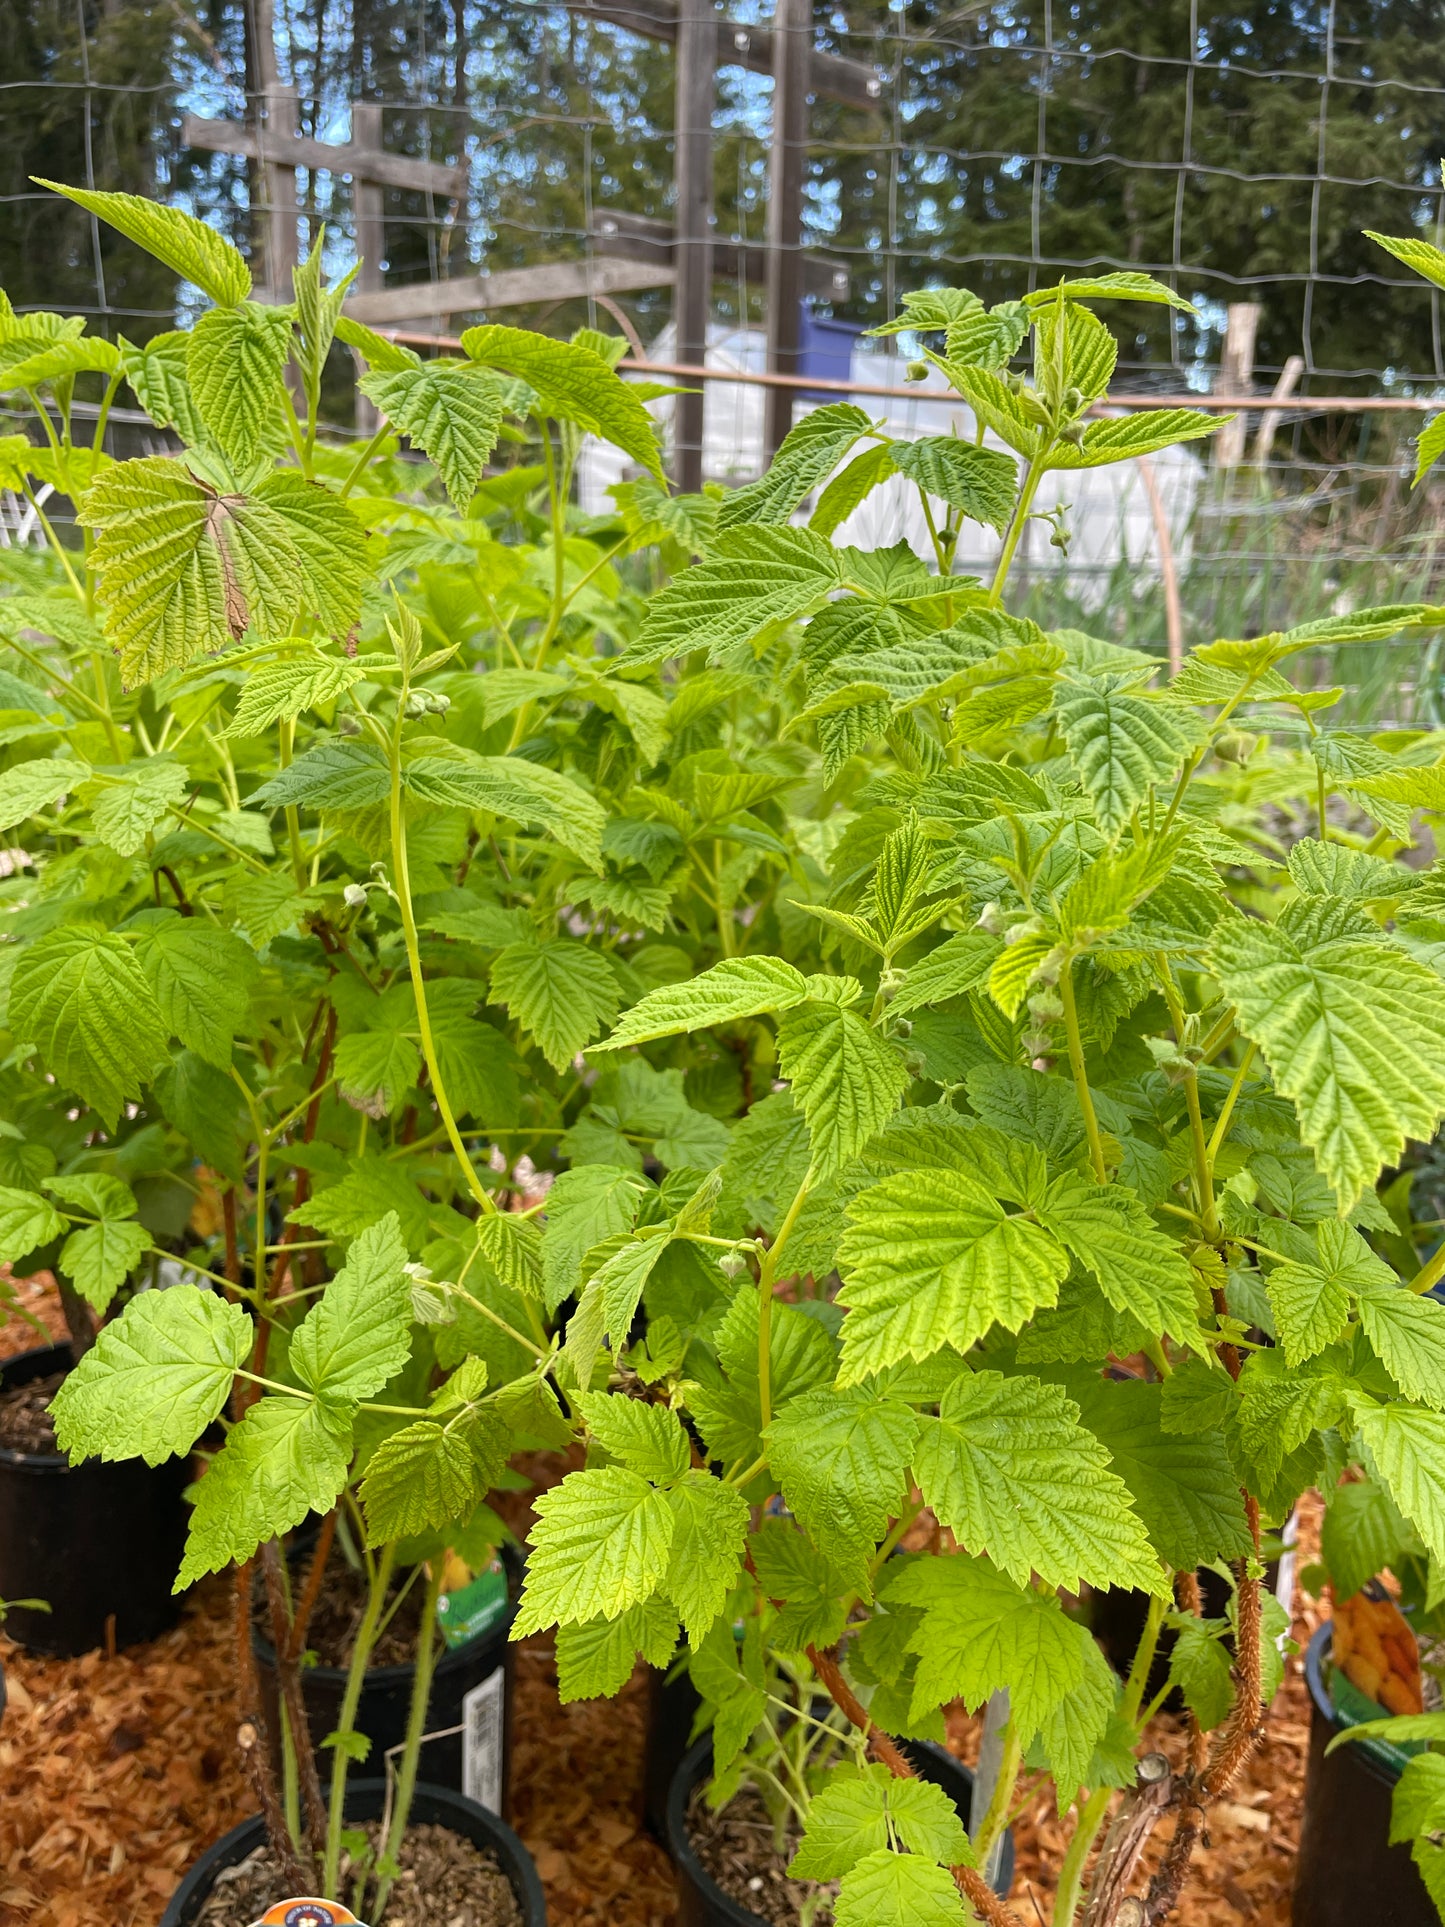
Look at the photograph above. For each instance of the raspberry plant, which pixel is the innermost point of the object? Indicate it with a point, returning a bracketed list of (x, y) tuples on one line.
[(964, 1067)]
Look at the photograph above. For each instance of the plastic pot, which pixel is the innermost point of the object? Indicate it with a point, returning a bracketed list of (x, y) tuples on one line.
[(671, 1705), (702, 1903), (470, 1707), (99, 1542), (431, 1805), (1347, 1872)]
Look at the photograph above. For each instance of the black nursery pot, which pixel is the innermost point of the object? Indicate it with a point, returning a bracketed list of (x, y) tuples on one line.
[(671, 1704), (431, 1806), (1347, 1872), (702, 1903), (471, 1690), (98, 1541)]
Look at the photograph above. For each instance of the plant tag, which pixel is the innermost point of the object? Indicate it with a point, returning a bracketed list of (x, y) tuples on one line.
[(304, 1911), (474, 1608), (483, 1733)]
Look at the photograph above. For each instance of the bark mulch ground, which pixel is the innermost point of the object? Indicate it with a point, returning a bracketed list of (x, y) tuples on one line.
[(115, 1773)]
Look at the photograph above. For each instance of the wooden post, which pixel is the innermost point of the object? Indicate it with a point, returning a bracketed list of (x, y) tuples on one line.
[(276, 134), (792, 48), (1236, 376), (367, 201), (1289, 380), (692, 253)]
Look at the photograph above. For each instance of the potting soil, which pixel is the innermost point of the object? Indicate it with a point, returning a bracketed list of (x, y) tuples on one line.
[(443, 1878), (737, 1845), (25, 1424)]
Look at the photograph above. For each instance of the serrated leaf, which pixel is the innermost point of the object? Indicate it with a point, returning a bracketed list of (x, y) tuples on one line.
[(234, 364), (1008, 1468), (1353, 1030), (809, 453), (931, 1258), (1120, 743), (1429, 447), (452, 414), (710, 1529), (898, 1890), (1071, 1737), (601, 1544), (597, 1660), (1200, 1665), (1406, 1331), (155, 1378), (802, 1581), (99, 1258), (431, 1475), (1311, 1296), (841, 1460), (335, 775), (279, 691), (127, 805), (195, 251), (358, 1333), (31, 787), (736, 988), (621, 1279), (375, 1069), (849, 1819), (584, 1206), (981, 1633), (754, 578), (1142, 434), (647, 1439), (157, 376), (559, 991), (573, 385), (512, 1246), (511, 786), (1137, 1267), (26, 1221), (201, 979), (980, 483), (286, 1458), (80, 997), (845, 1078), (1361, 1534)]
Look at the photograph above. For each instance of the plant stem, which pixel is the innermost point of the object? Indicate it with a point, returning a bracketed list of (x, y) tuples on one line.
[(1222, 1122), (1016, 528), (1081, 1080), (346, 1719), (996, 1819), (1143, 1658), (415, 1729)]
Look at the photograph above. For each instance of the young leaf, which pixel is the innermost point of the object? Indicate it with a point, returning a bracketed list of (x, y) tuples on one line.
[(155, 1378), (234, 364), (1142, 434), (99, 1258), (1137, 1267), (597, 1660), (358, 1333), (279, 691), (898, 1890), (586, 1205), (1010, 1471), (1120, 743), (452, 414), (286, 1458), (513, 787), (980, 483), (601, 1544), (29, 788), (735, 988), (809, 453), (338, 775), (572, 384), (26, 1221), (196, 252), (80, 997), (710, 1526), (127, 805), (846, 1079), (1311, 1297), (432, 1474), (840, 1458), (647, 1439), (1353, 1030), (560, 991)]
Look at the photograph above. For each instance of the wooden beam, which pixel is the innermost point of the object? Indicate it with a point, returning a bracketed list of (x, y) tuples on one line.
[(386, 170), (640, 237), (787, 158), (691, 241), (1236, 372), (507, 288), (832, 76)]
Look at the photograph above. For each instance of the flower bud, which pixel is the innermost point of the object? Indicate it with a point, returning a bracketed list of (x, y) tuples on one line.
[(354, 895), (1236, 746), (917, 371)]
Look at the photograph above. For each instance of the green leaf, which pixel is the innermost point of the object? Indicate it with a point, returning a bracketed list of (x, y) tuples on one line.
[(1361, 1535), (127, 805), (931, 1258), (647, 1439), (1125, 284), (846, 1079), (849, 1819), (100, 1257), (1429, 447), (371, 1189), (1120, 743), (754, 578), (1419, 256), (958, 965), (234, 365), (1142, 434), (157, 376), (432, 1474), (358, 1333), (26, 1221), (597, 1660), (155, 1377), (201, 978), (736, 988), (803, 1581), (841, 1459), (559, 991), (279, 691), (29, 788), (513, 787), (710, 1529), (1007, 1467), (1417, 1805), (204, 1105), (982, 1633), (453, 415), (1406, 1331), (601, 1544), (196, 252), (1353, 1030), (1184, 1489), (339, 775), (1201, 1667), (286, 1458), (898, 1890), (572, 385), (376, 1068), (980, 483), (1310, 1297), (1138, 1268), (584, 1206), (80, 997), (1073, 1737), (851, 486), (809, 453), (621, 1279)]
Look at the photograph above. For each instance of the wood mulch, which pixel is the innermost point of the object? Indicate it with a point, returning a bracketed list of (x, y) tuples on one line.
[(116, 1772)]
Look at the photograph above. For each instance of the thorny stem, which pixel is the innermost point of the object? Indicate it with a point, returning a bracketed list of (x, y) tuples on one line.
[(1092, 1813), (415, 1731), (288, 1675), (346, 1719), (251, 1743), (311, 1591)]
